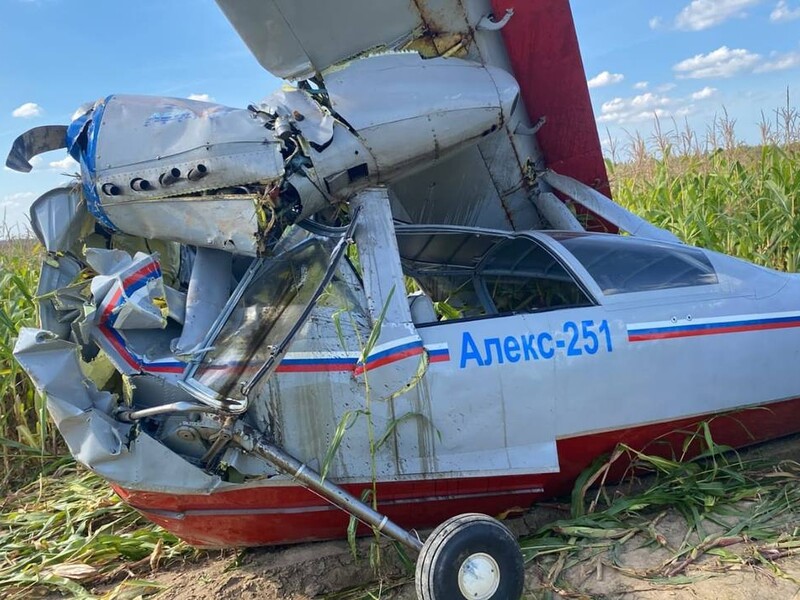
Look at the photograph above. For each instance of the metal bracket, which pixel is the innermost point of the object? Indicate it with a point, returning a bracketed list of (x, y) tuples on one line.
[(487, 23), (533, 130)]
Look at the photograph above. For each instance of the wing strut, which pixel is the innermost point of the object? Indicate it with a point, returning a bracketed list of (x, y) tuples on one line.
[(605, 208)]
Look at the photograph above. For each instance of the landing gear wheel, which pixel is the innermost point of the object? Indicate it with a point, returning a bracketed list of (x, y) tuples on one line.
[(470, 557)]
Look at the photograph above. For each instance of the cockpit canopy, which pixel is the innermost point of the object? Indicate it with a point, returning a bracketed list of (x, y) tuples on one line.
[(478, 273)]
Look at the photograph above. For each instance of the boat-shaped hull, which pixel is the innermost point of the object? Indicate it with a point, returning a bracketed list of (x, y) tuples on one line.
[(289, 513)]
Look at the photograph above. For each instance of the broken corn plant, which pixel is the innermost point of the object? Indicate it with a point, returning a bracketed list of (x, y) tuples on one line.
[(69, 530), (722, 500)]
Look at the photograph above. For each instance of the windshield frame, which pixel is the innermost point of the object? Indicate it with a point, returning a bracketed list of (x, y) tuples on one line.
[(191, 384)]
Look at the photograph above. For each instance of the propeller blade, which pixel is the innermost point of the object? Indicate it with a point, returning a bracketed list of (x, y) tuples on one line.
[(35, 141)]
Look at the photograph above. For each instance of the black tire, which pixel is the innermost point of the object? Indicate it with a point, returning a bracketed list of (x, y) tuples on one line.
[(470, 536)]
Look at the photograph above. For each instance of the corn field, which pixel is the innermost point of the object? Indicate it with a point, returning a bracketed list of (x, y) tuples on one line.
[(716, 192), (27, 439), (63, 528)]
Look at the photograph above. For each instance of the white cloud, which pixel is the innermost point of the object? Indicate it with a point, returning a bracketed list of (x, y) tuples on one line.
[(17, 199), (702, 14), (655, 22), (605, 78), (666, 87), (638, 108), (200, 97), (640, 85), (780, 62), (65, 164), (705, 93), (27, 110), (722, 62), (14, 220), (782, 13)]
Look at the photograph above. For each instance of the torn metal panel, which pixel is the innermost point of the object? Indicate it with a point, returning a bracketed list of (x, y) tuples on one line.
[(127, 318), (176, 304), (226, 222), (128, 292), (314, 123), (59, 218), (81, 413), (59, 297)]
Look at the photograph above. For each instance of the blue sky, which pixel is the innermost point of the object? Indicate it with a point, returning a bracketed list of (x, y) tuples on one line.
[(682, 59), (687, 60)]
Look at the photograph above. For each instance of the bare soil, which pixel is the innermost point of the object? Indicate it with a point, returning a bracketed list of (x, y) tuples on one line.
[(329, 570)]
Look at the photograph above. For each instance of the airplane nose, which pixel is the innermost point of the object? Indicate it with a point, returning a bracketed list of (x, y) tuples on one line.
[(507, 90)]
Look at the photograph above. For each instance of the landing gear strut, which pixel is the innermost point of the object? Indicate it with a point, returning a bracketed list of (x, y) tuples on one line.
[(469, 557)]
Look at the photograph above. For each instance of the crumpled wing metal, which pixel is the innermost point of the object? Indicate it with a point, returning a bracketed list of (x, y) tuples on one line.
[(59, 218), (33, 142), (83, 416)]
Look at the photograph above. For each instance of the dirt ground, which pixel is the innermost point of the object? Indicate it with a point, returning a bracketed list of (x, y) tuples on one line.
[(328, 569)]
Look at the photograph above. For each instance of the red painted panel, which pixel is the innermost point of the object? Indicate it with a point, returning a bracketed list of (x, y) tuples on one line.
[(543, 48), (286, 514)]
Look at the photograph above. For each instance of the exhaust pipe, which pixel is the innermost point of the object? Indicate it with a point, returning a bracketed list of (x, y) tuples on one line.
[(140, 185), (197, 173), (170, 177), (109, 189)]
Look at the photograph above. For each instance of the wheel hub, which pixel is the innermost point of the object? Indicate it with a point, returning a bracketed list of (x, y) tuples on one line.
[(479, 577)]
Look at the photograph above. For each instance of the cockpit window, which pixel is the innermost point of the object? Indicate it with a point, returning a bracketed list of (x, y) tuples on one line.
[(521, 276), (477, 274), (623, 264)]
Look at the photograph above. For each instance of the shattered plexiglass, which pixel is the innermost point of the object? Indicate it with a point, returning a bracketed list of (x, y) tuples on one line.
[(273, 300)]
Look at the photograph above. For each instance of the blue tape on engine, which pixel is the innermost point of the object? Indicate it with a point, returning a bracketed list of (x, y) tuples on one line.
[(82, 135)]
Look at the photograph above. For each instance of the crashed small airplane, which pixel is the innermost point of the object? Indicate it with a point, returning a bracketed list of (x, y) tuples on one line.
[(389, 273)]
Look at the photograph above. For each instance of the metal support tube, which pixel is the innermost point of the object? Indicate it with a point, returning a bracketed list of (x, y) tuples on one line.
[(130, 416), (333, 493)]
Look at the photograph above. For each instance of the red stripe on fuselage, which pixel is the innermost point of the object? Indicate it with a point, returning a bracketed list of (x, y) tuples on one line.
[(387, 360), (667, 335), (290, 513), (140, 274)]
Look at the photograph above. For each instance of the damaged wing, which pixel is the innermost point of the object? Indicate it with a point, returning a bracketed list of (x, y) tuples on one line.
[(493, 182)]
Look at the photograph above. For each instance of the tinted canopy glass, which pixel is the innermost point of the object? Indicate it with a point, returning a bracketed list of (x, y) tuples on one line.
[(623, 264)]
